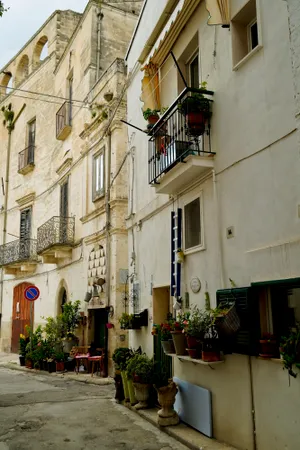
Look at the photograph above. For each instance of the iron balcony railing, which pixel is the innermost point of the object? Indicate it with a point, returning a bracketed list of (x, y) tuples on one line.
[(178, 133), (63, 117), (57, 231), (26, 157), (18, 251)]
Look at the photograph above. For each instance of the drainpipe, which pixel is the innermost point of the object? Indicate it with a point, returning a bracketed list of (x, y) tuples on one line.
[(99, 18), (10, 128), (219, 231)]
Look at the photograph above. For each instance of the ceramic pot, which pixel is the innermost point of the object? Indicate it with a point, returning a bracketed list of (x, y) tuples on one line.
[(60, 366), (22, 360), (168, 346), (166, 397), (152, 119), (211, 356), (125, 385), (179, 342), (268, 348), (142, 395), (193, 353)]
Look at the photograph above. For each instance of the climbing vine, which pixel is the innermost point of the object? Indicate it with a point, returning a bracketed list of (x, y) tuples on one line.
[(2, 9)]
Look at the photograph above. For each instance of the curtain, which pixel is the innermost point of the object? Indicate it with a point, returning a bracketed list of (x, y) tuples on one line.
[(150, 87), (219, 13)]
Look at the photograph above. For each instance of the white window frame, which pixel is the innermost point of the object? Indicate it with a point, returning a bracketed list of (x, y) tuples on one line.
[(250, 49), (201, 246), (98, 193), (188, 64)]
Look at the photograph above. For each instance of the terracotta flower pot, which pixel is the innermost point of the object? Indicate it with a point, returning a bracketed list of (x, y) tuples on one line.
[(268, 348), (196, 122), (168, 346), (142, 395), (179, 342), (211, 356), (193, 353), (60, 366), (152, 119), (193, 342), (29, 363), (166, 397)]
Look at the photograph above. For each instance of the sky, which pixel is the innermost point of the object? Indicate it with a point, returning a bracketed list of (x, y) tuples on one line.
[(24, 18)]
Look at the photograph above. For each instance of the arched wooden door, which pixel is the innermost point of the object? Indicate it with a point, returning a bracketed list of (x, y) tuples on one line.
[(20, 315)]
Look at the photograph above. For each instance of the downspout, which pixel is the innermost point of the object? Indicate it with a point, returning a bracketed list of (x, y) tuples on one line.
[(10, 128), (219, 231), (108, 247), (99, 18)]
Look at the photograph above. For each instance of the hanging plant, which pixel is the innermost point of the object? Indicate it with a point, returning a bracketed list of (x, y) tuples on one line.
[(8, 115), (179, 256)]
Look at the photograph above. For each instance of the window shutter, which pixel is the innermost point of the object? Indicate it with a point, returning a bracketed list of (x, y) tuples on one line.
[(247, 338), (25, 224), (64, 200)]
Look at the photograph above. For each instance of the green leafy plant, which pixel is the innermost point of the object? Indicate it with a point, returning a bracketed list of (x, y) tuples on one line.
[(198, 323), (54, 330), (290, 351), (121, 357), (2, 9), (195, 103), (160, 375), (150, 112), (140, 369), (23, 341), (125, 320), (70, 318), (8, 115), (59, 356)]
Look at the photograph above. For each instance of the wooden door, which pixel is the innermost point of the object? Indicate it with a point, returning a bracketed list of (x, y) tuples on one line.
[(20, 315)]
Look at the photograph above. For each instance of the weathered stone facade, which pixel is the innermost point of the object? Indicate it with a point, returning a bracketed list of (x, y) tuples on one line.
[(85, 51)]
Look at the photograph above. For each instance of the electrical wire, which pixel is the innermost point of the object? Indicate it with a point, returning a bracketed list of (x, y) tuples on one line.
[(40, 93)]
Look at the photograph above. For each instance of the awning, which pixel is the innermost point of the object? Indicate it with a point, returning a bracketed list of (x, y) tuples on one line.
[(287, 282)]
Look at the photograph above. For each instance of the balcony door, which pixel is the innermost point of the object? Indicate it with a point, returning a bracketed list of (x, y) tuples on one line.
[(25, 234), (64, 212)]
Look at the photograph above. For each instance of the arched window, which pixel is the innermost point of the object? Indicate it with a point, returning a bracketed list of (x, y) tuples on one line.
[(5, 83), (22, 69), (62, 299), (40, 51)]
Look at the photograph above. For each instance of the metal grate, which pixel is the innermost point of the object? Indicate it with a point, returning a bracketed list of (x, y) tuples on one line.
[(26, 157), (63, 117), (18, 251), (57, 231)]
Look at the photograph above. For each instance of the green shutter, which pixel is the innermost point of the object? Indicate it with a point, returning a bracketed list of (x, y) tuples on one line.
[(247, 338)]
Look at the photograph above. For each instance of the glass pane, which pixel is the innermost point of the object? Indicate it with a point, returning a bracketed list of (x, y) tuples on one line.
[(97, 171), (192, 224), (194, 73), (101, 172), (254, 35)]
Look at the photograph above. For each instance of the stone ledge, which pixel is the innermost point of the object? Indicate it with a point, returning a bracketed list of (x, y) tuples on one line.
[(183, 433)]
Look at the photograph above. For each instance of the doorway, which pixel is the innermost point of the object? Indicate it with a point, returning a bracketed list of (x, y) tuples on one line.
[(20, 315)]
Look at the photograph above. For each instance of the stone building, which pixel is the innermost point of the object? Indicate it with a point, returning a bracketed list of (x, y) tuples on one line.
[(64, 197), (229, 199)]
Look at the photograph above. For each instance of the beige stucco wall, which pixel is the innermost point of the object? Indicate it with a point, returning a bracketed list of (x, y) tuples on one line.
[(254, 135), (88, 136)]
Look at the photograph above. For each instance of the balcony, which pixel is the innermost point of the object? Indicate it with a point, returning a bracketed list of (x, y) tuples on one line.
[(63, 121), (180, 145), (26, 160), (19, 256), (55, 239)]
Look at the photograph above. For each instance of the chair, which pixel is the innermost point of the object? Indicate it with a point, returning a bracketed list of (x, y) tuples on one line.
[(81, 355), (97, 361)]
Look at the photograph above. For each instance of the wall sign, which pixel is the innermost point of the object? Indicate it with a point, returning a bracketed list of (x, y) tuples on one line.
[(195, 285)]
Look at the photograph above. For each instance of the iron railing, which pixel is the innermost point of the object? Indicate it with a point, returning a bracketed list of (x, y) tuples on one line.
[(57, 231), (18, 251), (63, 117), (177, 134), (26, 157)]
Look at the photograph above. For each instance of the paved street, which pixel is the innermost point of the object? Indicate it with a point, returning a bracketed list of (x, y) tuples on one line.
[(38, 411)]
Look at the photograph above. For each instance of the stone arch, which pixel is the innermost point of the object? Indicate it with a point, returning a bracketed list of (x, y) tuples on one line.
[(22, 70), (40, 51), (62, 296), (5, 82)]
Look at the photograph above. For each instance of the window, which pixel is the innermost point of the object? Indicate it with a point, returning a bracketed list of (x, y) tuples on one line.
[(31, 141), (64, 199), (193, 225), (25, 224), (70, 93), (98, 176), (194, 72), (245, 32)]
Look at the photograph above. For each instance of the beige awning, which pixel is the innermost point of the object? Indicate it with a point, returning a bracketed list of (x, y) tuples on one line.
[(150, 87), (219, 12)]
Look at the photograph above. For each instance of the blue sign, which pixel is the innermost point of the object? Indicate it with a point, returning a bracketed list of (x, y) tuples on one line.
[(32, 293)]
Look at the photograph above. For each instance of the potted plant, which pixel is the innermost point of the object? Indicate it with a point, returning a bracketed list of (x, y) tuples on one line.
[(178, 336), (121, 357), (51, 365), (59, 358), (268, 346), (196, 109), (166, 391), (179, 256), (290, 351), (195, 328), (124, 321), (23, 341), (227, 319), (166, 337), (211, 346), (140, 370), (29, 359), (70, 320), (151, 115)]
